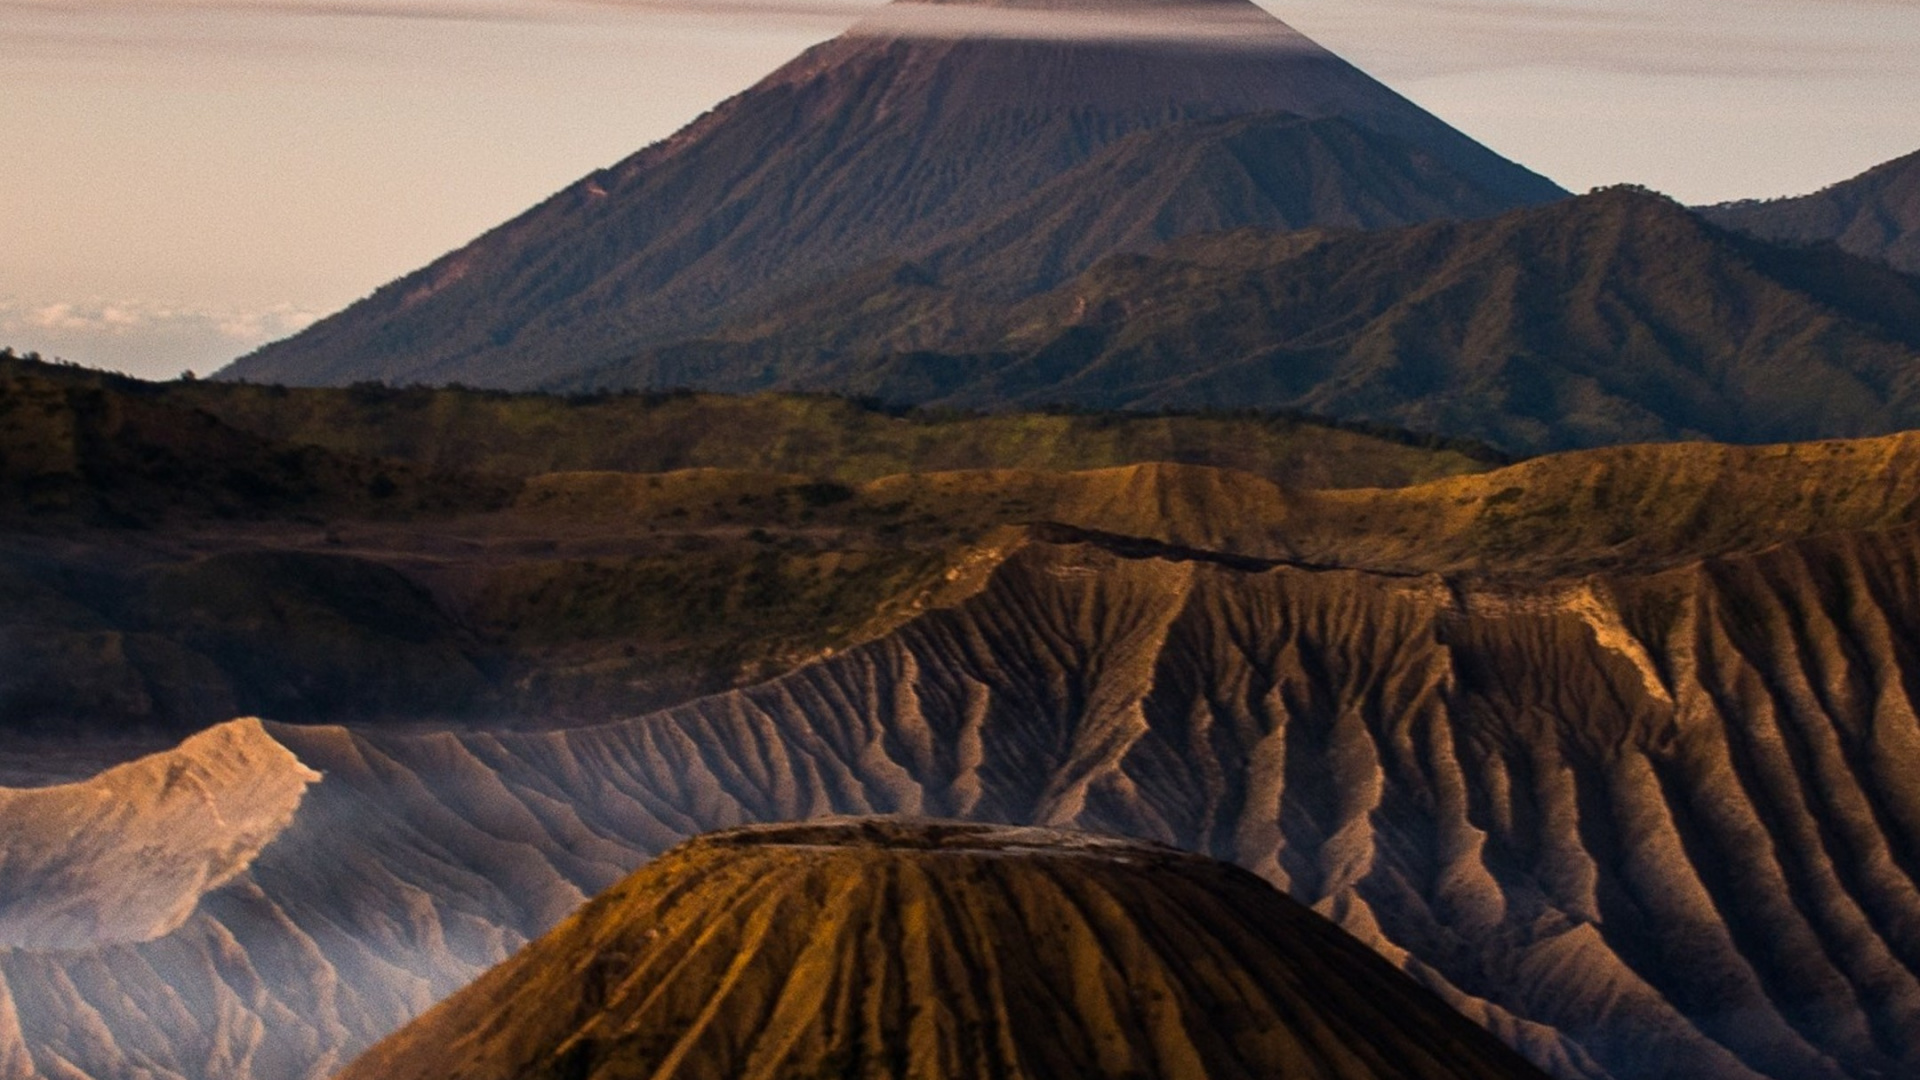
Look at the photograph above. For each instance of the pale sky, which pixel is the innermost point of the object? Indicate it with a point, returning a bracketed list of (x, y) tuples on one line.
[(185, 179)]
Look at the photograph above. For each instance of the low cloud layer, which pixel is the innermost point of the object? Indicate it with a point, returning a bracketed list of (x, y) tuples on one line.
[(143, 338), (1761, 38)]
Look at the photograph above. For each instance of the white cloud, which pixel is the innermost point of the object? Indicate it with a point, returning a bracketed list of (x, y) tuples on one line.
[(142, 337), (127, 318)]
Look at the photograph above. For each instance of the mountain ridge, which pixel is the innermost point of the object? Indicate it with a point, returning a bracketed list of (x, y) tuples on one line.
[(1875, 214), (1615, 317)]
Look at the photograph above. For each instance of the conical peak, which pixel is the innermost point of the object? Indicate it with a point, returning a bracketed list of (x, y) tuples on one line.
[(1138, 60), (899, 947)]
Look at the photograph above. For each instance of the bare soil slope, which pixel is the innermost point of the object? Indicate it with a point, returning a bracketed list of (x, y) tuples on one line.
[(1613, 751), (897, 948)]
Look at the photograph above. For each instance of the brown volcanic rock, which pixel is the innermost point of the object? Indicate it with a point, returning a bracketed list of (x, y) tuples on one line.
[(908, 948)]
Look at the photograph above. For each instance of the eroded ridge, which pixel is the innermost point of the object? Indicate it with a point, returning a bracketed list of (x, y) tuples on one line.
[(126, 856), (1637, 825)]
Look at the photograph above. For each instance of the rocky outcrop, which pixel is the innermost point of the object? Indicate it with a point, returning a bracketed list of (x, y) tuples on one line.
[(126, 856)]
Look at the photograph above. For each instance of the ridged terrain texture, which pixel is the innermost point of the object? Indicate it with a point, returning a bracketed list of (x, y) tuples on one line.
[(1639, 816), (901, 140), (880, 947), (1875, 214), (127, 855), (1616, 317)]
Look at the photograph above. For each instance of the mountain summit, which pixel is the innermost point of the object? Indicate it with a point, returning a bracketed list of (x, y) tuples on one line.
[(904, 137)]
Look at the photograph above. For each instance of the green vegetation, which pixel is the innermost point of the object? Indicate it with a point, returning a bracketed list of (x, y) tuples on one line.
[(80, 444), (818, 435), (167, 567)]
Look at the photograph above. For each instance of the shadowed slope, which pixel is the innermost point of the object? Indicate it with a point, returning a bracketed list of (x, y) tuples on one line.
[(877, 143), (74, 445), (599, 595), (1875, 214), (905, 949), (457, 432), (1616, 317)]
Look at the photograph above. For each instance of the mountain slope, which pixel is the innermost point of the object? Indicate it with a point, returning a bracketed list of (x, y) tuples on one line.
[(73, 450), (1614, 317), (1641, 817), (878, 143), (878, 947), (1875, 214), (139, 845), (460, 433), (1266, 170), (173, 555)]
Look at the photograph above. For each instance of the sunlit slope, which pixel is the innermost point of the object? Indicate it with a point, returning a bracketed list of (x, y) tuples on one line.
[(1637, 824), (882, 947), (172, 555), (127, 855), (591, 596)]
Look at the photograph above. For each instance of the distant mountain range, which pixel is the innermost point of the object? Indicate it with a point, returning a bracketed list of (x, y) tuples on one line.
[(1875, 214), (1610, 318), (1011, 162)]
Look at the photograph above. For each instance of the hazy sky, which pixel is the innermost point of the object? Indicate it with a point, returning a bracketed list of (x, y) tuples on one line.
[(185, 179)]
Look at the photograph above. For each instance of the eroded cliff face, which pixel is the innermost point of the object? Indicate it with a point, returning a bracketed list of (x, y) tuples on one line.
[(126, 856), (1639, 825)]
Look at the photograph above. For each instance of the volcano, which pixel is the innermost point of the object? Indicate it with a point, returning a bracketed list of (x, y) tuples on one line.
[(900, 948), (924, 132)]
